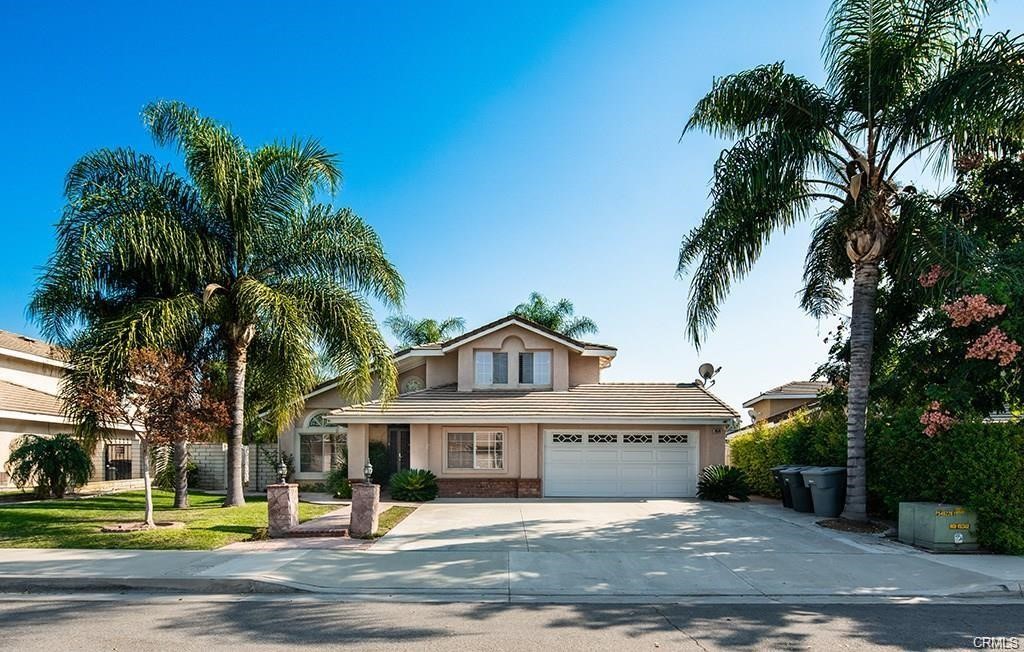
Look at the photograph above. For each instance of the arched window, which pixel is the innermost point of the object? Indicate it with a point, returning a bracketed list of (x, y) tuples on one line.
[(320, 445)]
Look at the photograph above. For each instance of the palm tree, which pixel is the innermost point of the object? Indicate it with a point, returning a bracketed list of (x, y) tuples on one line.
[(906, 81), (239, 256), (557, 316), (416, 332)]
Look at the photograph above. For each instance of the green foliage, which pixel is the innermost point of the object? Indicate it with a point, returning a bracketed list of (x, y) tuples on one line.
[(720, 483), (415, 485), (381, 461), (338, 484), (164, 477), (811, 438), (415, 332), (976, 464), (55, 465), (558, 316)]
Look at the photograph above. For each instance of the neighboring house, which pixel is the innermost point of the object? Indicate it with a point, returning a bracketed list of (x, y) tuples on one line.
[(779, 403), (513, 409), (30, 373)]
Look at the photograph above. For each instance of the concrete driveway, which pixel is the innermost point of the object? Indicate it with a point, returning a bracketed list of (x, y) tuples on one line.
[(616, 526), (644, 550)]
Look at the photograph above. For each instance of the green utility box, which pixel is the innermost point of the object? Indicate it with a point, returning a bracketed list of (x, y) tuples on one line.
[(938, 526)]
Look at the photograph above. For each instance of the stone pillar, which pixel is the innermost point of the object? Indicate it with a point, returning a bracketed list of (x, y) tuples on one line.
[(358, 440), (364, 519), (282, 509)]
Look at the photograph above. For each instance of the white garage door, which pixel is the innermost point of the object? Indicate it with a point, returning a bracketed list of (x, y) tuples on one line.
[(626, 463)]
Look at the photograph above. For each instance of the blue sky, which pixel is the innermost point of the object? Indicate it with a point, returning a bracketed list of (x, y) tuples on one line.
[(498, 149)]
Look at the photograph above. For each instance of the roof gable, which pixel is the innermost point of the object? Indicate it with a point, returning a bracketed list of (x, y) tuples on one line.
[(440, 348)]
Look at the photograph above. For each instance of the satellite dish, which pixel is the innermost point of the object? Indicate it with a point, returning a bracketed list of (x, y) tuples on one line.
[(707, 371)]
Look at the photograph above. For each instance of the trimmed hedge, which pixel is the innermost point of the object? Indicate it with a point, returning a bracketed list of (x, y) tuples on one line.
[(978, 465), (817, 439)]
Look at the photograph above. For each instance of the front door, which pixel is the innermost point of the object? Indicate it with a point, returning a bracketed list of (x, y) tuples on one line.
[(398, 447)]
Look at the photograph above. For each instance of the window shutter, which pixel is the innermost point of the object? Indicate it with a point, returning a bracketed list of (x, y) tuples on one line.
[(526, 368), (542, 368), (499, 374), (484, 368)]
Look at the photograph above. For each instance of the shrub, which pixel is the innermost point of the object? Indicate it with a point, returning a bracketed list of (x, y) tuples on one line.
[(975, 464), (163, 462), (415, 485), (814, 439), (381, 461), (56, 465), (719, 482), (338, 484)]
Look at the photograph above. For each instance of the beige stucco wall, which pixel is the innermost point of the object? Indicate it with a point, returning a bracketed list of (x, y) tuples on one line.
[(419, 372), (583, 370), (524, 446), (443, 370), (513, 340), (769, 407)]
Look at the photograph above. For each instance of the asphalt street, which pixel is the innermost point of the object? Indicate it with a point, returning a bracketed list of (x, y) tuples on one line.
[(136, 621)]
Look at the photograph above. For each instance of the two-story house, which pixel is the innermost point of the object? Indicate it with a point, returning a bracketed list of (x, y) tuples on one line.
[(780, 402), (513, 409), (30, 373)]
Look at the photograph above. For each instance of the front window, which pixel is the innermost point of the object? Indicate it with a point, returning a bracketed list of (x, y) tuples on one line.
[(476, 450), (491, 367), (535, 368), (321, 446)]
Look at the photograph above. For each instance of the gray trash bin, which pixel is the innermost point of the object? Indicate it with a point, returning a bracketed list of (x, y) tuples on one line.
[(800, 494), (828, 489), (787, 497)]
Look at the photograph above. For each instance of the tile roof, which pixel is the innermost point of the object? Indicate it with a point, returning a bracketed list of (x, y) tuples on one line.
[(25, 344), (23, 399), (497, 322), (796, 388), (604, 402)]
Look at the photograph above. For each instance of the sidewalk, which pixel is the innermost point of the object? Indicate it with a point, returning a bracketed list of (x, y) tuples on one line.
[(518, 576)]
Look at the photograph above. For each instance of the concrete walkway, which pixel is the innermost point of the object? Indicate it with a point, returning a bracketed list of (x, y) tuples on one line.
[(616, 551)]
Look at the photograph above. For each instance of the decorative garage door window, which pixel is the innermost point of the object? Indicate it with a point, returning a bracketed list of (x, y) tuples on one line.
[(567, 438), (677, 438), (603, 438), (476, 450), (637, 438)]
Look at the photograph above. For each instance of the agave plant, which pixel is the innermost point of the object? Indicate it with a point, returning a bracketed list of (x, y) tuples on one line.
[(719, 483), (415, 485)]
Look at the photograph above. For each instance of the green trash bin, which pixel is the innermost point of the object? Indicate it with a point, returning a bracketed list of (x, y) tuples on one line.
[(828, 489), (800, 494)]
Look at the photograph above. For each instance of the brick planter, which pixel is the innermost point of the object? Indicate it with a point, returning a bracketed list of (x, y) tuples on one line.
[(488, 488)]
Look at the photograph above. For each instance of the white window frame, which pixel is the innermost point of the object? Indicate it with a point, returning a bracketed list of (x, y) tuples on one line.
[(338, 432), (501, 438), (483, 368), (538, 380)]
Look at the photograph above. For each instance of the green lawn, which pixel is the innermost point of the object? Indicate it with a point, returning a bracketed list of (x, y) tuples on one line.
[(76, 523), (391, 517)]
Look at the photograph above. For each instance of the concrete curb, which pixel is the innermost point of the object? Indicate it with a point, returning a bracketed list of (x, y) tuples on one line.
[(197, 585), (272, 585)]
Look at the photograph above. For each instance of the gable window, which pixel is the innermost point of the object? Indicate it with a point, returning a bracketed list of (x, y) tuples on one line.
[(491, 368), (535, 368), (476, 450)]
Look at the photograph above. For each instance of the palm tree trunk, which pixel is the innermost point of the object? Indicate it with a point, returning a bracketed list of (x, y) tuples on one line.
[(181, 474), (144, 446), (238, 355), (862, 334)]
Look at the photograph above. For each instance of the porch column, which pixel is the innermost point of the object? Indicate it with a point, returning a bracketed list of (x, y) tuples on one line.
[(358, 439), (419, 446), (528, 452)]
